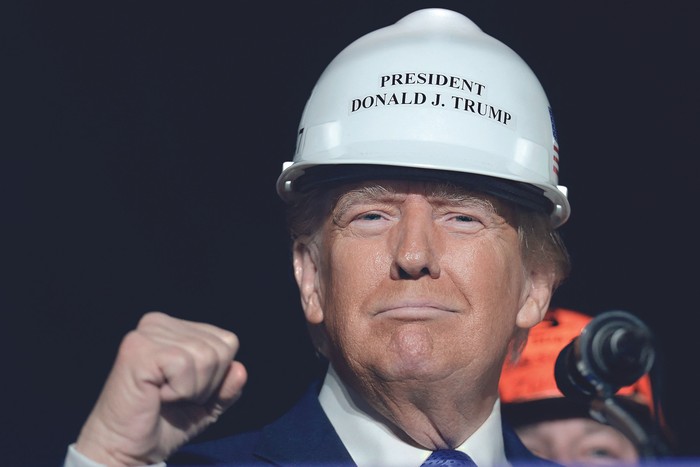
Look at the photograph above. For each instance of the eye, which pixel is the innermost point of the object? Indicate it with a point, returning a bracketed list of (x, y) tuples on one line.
[(607, 450), (359, 214), (369, 216), (462, 222), (368, 221), (601, 452)]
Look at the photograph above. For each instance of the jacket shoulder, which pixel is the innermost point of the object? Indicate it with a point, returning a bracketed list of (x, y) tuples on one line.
[(301, 436)]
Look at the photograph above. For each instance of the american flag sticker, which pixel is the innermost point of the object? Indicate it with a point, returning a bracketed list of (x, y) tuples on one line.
[(555, 144), (300, 140)]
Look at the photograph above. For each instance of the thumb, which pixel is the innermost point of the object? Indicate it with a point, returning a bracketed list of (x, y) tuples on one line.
[(230, 390), (193, 418)]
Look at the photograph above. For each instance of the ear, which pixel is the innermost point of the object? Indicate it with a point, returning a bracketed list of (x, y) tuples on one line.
[(537, 299), (306, 275)]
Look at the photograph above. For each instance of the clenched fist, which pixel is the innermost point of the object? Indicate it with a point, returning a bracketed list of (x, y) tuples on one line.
[(171, 379)]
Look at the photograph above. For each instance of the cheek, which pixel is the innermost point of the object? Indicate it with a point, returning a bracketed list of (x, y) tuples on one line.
[(488, 274), (351, 274), (355, 271), (491, 280)]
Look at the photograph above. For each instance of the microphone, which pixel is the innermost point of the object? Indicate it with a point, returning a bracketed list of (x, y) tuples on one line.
[(612, 351)]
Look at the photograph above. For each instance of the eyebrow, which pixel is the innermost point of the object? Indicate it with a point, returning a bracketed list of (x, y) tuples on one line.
[(443, 194), (361, 195)]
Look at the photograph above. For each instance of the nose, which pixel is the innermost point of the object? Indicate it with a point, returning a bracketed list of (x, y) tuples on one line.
[(416, 245)]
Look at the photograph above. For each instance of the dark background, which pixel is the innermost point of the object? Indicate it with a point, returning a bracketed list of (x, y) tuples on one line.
[(141, 142)]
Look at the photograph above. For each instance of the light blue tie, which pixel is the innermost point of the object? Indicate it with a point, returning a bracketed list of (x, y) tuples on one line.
[(448, 457)]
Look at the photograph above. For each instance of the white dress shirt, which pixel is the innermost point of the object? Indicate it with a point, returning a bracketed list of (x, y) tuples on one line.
[(373, 444)]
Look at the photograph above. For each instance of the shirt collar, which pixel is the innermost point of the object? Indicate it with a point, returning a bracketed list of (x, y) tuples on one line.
[(371, 443)]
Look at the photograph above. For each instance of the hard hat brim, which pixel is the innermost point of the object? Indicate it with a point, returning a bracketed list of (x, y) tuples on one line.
[(519, 193)]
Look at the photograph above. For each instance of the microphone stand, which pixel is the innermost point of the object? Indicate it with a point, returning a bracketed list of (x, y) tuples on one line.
[(606, 410), (593, 376)]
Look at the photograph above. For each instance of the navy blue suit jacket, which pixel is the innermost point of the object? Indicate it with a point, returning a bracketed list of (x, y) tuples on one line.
[(304, 436)]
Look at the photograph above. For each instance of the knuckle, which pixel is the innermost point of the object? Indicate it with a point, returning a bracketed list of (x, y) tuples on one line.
[(204, 351), (133, 343), (178, 358), (151, 318), (231, 340)]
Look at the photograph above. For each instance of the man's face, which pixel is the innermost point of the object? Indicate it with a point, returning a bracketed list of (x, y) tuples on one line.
[(412, 283)]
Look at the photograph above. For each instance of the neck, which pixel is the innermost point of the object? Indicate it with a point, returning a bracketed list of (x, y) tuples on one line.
[(431, 415)]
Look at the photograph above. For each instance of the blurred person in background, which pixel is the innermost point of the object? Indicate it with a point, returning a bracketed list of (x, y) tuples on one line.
[(565, 429)]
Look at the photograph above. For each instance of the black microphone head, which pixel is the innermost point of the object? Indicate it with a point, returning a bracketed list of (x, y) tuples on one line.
[(617, 348), (614, 349), (569, 380)]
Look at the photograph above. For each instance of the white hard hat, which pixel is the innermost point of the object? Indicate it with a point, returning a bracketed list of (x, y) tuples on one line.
[(431, 96)]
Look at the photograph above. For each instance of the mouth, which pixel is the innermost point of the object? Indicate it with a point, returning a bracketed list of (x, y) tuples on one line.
[(415, 311)]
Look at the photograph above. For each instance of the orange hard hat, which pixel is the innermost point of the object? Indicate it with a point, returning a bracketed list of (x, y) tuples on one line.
[(531, 378)]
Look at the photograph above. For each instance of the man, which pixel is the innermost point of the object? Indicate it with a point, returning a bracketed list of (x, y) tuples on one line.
[(423, 205), (563, 428)]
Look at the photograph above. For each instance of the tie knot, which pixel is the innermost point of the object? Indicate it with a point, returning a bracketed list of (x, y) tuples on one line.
[(448, 457)]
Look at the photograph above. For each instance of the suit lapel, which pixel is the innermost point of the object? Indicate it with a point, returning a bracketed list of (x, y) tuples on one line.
[(304, 435)]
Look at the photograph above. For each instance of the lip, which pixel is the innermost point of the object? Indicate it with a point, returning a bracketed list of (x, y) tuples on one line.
[(415, 310)]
